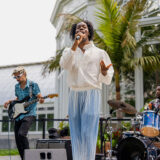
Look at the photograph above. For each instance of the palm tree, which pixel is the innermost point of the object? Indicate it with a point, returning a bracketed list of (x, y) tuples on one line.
[(118, 26)]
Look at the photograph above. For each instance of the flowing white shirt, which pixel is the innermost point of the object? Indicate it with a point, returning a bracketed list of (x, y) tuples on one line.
[(84, 71)]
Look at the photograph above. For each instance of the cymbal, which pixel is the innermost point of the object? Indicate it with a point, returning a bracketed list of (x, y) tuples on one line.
[(124, 107)]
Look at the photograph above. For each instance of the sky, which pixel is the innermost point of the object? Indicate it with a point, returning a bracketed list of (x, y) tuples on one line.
[(26, 33)]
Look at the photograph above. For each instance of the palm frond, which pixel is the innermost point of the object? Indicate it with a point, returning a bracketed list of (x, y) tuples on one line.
[(68, 20), (52, 64), (131, 13), (118, 26), (147, 62), (99, 41), (107, 18)]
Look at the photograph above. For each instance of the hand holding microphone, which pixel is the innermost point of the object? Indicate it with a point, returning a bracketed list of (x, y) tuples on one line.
[(78, 38)]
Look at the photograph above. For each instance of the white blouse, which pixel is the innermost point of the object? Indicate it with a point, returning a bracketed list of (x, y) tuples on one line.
[(84, 71)]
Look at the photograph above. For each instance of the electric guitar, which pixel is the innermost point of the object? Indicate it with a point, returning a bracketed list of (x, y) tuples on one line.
[(17, 108)]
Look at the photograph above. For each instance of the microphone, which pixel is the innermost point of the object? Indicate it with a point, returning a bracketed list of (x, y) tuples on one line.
[(78, 37)]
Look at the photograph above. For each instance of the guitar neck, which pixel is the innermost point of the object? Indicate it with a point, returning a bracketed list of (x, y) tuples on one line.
[(26, 104)]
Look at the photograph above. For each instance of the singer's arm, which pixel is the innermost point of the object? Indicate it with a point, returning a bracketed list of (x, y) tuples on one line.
[(75, 45), (106, 69), (67, 59)]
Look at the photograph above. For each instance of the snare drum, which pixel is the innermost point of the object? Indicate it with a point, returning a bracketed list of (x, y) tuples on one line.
[(150, 124), (130, 134)]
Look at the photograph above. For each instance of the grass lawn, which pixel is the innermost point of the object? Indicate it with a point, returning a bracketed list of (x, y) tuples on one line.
[(6, 152)]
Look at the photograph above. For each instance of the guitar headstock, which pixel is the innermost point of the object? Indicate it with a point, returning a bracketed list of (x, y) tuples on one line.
[(52, 95)]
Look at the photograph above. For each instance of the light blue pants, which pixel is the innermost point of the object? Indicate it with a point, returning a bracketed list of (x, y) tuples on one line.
[(83, 120)]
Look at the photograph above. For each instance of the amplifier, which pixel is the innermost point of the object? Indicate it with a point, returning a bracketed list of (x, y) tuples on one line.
[(45, 154), (56, 144)]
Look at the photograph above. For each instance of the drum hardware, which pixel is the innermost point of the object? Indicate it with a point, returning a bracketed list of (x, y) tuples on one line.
[(108, 155), (110, 151), (126, 148), (108, 127), (139, 117), (147, 150), (134, 124)]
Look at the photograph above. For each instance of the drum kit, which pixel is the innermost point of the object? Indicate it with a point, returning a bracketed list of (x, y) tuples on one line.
[(143, 144)]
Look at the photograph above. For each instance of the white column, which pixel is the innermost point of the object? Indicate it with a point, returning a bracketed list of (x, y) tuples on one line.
[(104, 105), (139, 77), (1, 116), (57, 100), (65, 96)]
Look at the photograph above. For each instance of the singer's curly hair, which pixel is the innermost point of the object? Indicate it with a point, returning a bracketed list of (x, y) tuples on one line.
[(90, 29)]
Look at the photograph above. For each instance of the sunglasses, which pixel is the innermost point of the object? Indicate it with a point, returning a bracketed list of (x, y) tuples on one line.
[(17, 77)]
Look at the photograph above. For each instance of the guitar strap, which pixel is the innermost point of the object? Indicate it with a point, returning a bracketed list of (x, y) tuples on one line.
[(30, 89)]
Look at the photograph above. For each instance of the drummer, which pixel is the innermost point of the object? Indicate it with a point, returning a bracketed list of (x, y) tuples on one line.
[(154, 104)]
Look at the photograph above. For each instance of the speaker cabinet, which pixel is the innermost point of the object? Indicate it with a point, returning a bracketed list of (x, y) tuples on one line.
[(45, 154), (56, 144)]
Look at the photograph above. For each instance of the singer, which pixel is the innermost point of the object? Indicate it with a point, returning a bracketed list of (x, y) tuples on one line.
[(88, 67), (155, 104)]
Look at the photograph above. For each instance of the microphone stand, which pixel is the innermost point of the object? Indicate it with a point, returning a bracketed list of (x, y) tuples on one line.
[(104, 140), (110, 132)]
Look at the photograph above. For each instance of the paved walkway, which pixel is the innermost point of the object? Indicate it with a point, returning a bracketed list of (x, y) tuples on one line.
[(10, 158)]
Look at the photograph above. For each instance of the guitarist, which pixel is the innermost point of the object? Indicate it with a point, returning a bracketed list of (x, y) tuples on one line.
[(30, 90)]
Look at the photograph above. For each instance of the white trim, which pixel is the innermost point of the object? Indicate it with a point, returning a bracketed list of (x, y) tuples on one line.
[(152, 41), (58, 7), (74, 11), (149, 21)]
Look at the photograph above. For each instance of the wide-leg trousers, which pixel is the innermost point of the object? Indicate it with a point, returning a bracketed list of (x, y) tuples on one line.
[(83, 121)]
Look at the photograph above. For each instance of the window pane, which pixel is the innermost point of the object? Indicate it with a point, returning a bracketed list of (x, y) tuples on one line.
[(5, 124)]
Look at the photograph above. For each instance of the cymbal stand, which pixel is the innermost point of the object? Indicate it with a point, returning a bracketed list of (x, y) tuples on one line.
[(133, 124), (110, 151), (110, 133), (106, 128)]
